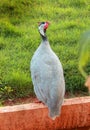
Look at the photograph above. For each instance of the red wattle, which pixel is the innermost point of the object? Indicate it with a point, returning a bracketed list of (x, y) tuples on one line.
[(46, 26)]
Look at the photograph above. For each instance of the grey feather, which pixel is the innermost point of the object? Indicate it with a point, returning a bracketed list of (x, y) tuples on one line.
[(48, 79)]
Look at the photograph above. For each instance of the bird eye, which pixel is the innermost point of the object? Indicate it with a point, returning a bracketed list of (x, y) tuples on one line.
[(43, 22), (40, 23)]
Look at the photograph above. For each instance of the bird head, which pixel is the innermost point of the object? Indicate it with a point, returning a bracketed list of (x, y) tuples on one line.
[(42, 28)]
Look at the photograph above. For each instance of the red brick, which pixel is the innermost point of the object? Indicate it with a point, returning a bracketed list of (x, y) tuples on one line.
[(75, 113)]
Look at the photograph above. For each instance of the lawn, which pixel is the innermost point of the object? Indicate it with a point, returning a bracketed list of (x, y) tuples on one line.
[(19, 39)]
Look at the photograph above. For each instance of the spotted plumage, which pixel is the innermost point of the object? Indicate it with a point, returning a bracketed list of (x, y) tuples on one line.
[(47, 75)]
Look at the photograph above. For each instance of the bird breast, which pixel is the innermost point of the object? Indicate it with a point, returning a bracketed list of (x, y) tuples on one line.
[(46, 65)]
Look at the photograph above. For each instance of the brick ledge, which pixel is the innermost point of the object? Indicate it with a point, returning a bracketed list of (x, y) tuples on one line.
[(75, 113)]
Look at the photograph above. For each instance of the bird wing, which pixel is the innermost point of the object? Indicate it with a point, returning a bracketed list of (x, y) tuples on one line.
[(46, 72), (37, 78)]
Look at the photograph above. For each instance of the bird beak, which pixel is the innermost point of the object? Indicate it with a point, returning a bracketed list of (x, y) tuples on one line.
[(48, 22), (39, 23)]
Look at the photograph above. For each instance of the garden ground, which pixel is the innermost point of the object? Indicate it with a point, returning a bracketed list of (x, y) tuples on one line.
[(19, 39)]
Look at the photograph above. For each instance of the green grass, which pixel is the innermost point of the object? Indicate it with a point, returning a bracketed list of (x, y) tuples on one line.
[(19, 38)]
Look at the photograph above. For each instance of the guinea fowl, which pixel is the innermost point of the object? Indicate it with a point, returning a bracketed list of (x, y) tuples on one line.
[(47, 75)]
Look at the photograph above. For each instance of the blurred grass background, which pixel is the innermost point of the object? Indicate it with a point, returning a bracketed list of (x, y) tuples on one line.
[(19, 38)]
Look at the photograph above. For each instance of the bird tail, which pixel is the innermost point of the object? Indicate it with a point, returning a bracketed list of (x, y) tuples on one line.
[(53, 118), (53, 114)]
